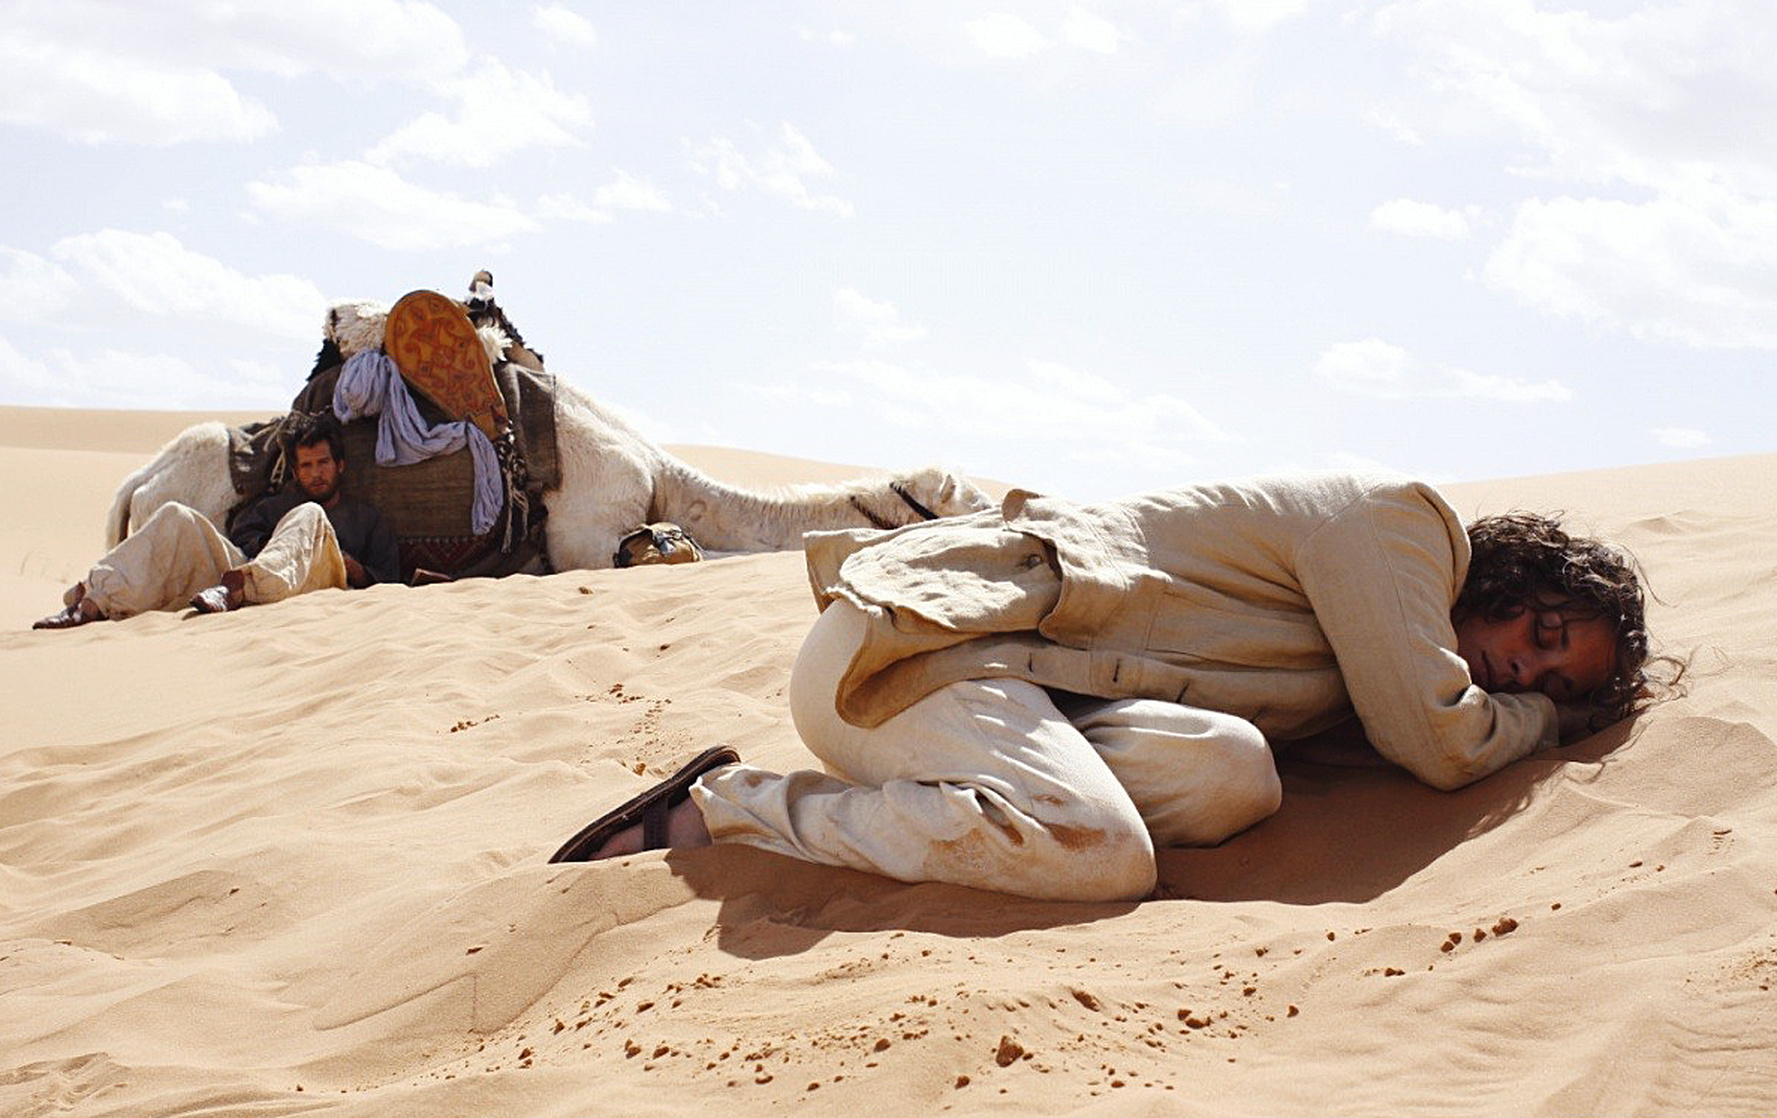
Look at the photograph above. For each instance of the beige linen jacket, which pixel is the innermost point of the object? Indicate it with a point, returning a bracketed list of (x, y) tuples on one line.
[(1289, 601)]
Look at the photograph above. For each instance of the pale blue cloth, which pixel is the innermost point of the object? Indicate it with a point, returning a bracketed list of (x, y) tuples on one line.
[(371, 385)]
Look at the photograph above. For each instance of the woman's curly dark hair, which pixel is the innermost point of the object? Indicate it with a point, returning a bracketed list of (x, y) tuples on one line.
[(1525, 561)]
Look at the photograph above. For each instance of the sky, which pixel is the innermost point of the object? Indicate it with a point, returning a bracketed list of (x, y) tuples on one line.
[(1086, 248)]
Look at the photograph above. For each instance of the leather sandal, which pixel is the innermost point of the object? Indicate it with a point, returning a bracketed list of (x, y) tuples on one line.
[(651, 809)]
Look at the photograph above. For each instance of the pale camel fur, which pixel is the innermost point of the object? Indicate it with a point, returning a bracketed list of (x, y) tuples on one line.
[(613, 479)]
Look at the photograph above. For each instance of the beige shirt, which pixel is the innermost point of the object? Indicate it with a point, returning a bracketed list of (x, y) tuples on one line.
[(1289, 601)]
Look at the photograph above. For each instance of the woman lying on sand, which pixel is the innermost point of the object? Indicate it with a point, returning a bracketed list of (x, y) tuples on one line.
[(1031, 700)]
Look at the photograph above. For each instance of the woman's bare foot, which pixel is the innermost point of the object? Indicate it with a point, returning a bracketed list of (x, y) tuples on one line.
[(684, 829)]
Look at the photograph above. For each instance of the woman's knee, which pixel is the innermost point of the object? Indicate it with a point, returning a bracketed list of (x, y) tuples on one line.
[(1248, 788), (1250, 761), (826, 652), (1055, 848), (1104, 856), (1199, 776), (1123, 869)]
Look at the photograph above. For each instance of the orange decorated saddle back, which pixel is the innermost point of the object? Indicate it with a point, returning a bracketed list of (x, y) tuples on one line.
[(434, 345)]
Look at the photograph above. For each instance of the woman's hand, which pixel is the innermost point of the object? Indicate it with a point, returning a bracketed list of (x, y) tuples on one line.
[(1343, 744), (1573, 721)]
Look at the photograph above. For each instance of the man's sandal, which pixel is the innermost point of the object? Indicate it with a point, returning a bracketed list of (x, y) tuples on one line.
[(66, 618), (77, 611), (650, 809)]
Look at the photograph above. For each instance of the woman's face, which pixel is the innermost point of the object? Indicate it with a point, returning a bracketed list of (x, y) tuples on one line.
[(1538, 650)]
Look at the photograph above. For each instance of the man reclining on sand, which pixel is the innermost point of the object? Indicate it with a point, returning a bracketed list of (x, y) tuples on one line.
[(1032, 700), (308, 539)]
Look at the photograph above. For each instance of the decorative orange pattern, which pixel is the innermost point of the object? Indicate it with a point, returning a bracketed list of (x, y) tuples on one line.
[(432, 342)]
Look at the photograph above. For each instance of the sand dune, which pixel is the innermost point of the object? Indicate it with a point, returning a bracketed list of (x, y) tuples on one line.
[(290, 860)]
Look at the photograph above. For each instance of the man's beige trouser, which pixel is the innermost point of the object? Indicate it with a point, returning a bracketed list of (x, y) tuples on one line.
[(179, 552), (990, 783)]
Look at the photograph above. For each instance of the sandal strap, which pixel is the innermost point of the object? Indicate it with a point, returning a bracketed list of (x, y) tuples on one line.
[(655, 822)]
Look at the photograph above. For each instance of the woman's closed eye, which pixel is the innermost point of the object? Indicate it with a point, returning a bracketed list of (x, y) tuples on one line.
[(1550, 631)]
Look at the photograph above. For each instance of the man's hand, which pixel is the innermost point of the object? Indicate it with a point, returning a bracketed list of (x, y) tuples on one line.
[(356, 575)]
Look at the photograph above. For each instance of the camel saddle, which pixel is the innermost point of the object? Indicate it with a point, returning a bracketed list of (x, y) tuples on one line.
[(433, 342), (434, 345)]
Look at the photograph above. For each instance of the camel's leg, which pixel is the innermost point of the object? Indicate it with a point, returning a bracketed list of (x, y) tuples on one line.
[(192, 468), (606, 488)]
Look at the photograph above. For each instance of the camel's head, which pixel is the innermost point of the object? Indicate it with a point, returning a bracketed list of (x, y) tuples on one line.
[(944, 493)]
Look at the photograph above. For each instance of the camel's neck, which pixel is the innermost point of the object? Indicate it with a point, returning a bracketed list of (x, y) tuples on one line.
[(728, 518)]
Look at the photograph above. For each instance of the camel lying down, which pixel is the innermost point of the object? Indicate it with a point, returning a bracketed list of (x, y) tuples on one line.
[(613, 479)]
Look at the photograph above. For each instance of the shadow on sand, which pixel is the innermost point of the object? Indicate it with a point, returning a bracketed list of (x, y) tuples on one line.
[(1342, 835)]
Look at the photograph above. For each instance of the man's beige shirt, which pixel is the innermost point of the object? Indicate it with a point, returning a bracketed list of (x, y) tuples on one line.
[(1289, 601)]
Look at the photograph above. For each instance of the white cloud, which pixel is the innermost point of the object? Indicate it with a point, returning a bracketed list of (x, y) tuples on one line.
[(379, 206), (1082, 414), (1683, 438), (1508, 390), (498, 112), (1135, 457), (626, 192), (566, 207), (406, 40), (154, 273), (817, 394), (1373, 367), (1635, 97), (1088, 31), (1421, 219), (841, 39), (134, 379), (1679, 241), (1352, 462), (96, 71), (1390, 122), (120, 379), (1257, 16), (877, 323), (26, 380), (32, 287), (562, 24), (1003, 35), (1668, 269), (1076, 384), (781, 172), (94, 97)]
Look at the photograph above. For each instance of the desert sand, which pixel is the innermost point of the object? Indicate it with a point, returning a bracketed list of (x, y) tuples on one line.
[(291, 860)]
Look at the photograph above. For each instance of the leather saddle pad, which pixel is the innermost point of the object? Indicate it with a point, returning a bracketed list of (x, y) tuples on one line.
[(433, 343)]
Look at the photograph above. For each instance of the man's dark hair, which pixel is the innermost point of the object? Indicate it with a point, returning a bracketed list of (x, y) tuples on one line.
[(1522, 561), (318, 429)]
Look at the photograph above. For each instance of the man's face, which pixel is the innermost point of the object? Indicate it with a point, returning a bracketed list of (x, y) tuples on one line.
[(1538, 650), (318, 472)]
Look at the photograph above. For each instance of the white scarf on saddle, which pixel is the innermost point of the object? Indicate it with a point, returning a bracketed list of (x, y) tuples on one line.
[(371, 385)]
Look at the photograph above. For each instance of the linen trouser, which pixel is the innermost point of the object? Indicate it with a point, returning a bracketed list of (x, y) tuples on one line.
[(990, 783), (178, 552)]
